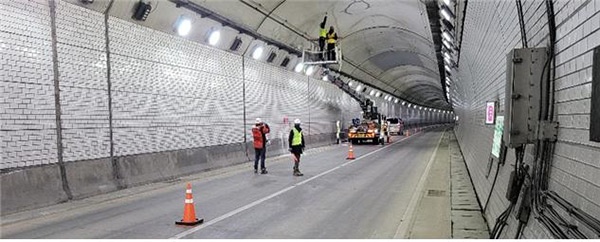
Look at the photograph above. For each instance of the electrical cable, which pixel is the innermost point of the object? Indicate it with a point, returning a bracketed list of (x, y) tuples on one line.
[(487, 200), (522, 23)]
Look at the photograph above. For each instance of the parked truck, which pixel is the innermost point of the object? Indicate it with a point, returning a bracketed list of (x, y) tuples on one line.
[(366, 131)]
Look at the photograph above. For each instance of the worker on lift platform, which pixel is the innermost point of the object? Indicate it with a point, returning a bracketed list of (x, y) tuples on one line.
[(322, 36)]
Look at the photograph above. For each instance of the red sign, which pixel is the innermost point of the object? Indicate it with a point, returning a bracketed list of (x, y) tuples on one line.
[(490, 113)]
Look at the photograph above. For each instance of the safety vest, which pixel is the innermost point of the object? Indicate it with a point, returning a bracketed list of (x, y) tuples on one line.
[(330, 38), (257, 134), (323, 33), (297, 139)]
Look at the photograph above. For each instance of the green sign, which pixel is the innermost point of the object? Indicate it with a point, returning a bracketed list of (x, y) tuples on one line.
[(498, 130)]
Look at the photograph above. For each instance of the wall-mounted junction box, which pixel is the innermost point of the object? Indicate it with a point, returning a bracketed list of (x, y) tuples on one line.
[(524, 71)]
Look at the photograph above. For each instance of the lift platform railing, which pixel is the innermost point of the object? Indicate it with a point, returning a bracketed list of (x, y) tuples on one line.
[(315, 57)]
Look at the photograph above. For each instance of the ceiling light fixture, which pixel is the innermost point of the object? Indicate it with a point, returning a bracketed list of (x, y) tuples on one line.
[(447, 68), (257, 52), (447, 36), (299, 67), (214, 38), (183, 26), (447, 15), (310, 70)]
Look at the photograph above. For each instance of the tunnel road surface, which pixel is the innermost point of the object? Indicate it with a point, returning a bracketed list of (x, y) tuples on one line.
[(335, 199)]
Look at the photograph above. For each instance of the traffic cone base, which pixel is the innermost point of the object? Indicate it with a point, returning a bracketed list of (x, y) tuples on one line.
[(198, 221)]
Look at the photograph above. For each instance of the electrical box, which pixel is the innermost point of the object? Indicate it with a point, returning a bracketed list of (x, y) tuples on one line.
[(595, 107), (524, 74), (142, 11)]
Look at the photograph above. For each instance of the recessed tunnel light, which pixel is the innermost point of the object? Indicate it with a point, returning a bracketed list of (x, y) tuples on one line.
[(350, 84), (446, 55), (372, 92), (299, 67), (358, 88), (325, 78), (446, 14), (258, 52), (447, 36), (214, 38), (183, 26), (310, 70)]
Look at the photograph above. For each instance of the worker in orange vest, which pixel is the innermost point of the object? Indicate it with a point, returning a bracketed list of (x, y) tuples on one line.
[(259, 133)]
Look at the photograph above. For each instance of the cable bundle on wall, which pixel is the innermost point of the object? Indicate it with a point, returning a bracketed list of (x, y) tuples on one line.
[(535, 194)]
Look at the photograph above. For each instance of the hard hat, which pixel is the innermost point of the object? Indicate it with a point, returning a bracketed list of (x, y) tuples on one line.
[(297, 121), (258, 121)]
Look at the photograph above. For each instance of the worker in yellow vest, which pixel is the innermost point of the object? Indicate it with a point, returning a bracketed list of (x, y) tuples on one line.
[(331, 39), (296, 144), (322, 36)]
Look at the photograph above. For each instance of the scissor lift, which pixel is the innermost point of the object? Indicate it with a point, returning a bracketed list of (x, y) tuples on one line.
[(315, 57)]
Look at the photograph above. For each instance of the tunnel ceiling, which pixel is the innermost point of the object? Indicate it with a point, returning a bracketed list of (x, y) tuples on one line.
[(386, 44)]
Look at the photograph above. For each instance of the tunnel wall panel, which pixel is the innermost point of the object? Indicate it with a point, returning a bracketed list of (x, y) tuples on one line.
[(491, 31), (177, 106), (82, 79), (27, 110), (177, 95)]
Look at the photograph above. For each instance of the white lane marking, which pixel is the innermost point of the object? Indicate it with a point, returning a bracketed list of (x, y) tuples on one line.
[(257, 202), (402, 230)]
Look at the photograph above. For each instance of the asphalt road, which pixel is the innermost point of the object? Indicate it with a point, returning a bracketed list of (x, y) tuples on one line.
[(335, 199)]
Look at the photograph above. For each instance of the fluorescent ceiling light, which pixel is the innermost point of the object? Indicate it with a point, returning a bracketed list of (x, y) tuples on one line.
[(214, 38), (350, 84), (378, 94), (358, 88), (447, 36), (447, 55), (447, 44), (325, 78), (446, 15), (310, 70), (184, 26), (448, 2), (447, 68), (299, 67), (372, 92), (257, 52)]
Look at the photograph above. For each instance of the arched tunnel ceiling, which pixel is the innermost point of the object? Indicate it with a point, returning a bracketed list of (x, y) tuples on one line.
[(387, 44)]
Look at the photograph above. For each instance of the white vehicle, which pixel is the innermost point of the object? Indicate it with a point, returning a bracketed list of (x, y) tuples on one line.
[(396, 126)]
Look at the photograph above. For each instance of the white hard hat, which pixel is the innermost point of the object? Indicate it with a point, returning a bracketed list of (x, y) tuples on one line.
[(297, 121), (258, 121)]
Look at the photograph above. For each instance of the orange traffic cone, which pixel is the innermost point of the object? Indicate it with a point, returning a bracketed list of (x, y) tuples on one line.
[(189, 213), (350, 153)]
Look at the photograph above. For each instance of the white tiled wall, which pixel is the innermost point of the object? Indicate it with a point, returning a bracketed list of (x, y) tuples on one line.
[(168, 93), (83, 86), (491, 31), (27, 110)]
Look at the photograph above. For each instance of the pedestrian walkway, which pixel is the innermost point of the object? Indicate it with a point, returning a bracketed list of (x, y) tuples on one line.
[(447, 206)]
